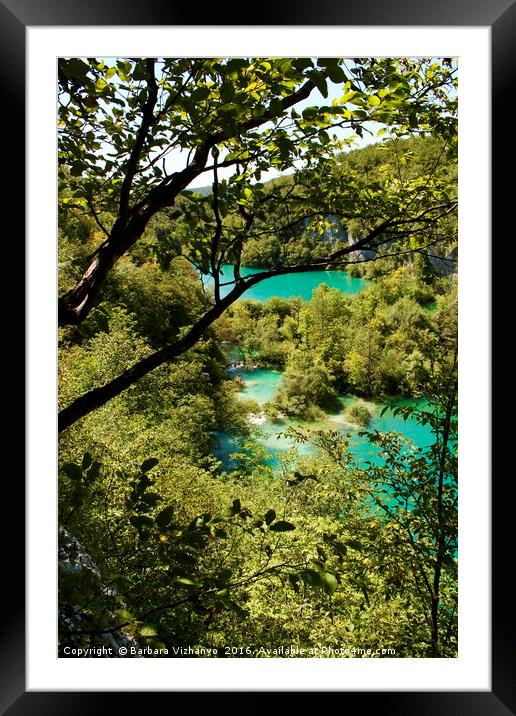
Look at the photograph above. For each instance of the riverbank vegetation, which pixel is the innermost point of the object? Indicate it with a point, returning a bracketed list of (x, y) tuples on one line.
[(380, 343), (322, 551)]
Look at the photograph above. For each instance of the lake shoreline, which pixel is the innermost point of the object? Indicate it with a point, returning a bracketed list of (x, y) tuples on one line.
[(290, 285), (260, 384)]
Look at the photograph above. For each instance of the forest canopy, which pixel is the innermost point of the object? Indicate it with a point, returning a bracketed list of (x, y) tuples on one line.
[(175, 177), (119, 121)]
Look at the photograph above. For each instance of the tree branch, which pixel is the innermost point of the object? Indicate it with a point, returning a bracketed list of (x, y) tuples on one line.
[(76, 304), (218, 231), (100, 396), (141, 135)]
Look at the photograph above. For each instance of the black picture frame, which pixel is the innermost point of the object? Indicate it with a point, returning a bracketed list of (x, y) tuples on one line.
[(500, 16)]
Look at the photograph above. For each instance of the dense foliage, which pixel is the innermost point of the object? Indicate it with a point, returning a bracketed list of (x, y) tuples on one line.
[(323, 556), (387, 340), (199, 558), (121, 122), (372, 177)]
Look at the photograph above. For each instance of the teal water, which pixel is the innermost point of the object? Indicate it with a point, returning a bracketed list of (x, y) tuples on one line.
[(261, 384), (290, 285)]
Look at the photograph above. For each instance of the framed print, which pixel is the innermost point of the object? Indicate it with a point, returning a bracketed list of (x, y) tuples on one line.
[(475, 678)]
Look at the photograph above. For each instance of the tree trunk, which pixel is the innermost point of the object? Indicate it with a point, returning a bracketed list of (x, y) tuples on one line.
[(76, 304), (441, 537)]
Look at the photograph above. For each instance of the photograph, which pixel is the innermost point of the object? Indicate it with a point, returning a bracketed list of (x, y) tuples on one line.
[(258, 357)]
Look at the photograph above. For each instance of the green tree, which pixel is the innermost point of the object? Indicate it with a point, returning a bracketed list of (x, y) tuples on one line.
[(305, 385), (410, 495), (119, 120)]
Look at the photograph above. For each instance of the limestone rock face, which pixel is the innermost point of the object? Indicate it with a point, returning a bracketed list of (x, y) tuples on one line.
[(446, 265), (86, 613)]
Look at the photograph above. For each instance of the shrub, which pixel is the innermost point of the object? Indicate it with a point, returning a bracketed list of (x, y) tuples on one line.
[(359, 414)]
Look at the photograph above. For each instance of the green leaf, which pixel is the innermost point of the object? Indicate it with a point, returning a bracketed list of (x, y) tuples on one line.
[(282, 526), (237, 608), (302, 63), (185, 580), (150, 499), (123, 69), (90, 102), (340, 548), (329, 582), (348, 96), (100, 85), (224, 576), (311, 577), (148, 464), (235, 509), (148, 630), (72, 471), (77, 169), (354, 544), (93, 471), (320, 83), (227, 92), (322, 553), (336, 73), (143, 483), (86, 460), (140, 522), (310, 113), (123, 615), (294, 579), (164, 518), (269, 516), (200, 93), (140, 73), (374, 100), (76, 69), (236, 63)]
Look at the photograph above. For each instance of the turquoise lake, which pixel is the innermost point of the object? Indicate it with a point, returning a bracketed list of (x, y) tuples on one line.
[(290, 285), (260, 384)]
